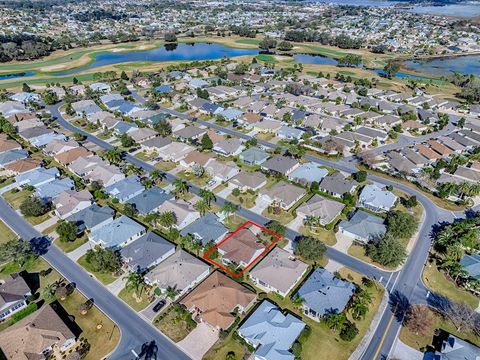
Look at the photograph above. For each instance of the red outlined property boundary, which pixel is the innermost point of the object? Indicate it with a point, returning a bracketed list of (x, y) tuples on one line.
[(236, 275)]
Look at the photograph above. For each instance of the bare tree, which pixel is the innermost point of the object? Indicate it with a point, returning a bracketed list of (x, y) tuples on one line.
[(462, 316), (418, 319)]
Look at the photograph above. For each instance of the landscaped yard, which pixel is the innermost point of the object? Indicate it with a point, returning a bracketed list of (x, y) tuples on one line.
[(136, 302), (6, 234), (358, 251), (436, 281), (165, 165), (69, 246), (16, 198), (246, 199), (146, 156), (421, 341), (105, 277), (283, 217), (222, 347), (326, 236), (176, 323), (102, 340), (190, 177)]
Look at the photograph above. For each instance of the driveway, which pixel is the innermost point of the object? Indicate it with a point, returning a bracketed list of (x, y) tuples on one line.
[(296, 223), (225, 192), (117, 286), (148, 312), (46, 224), (192, 345), (79, 252), (404, 352), (260, 205), (343, 242)]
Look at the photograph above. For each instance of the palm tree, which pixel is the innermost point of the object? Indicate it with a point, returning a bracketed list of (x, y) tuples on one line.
[(181, 186), (148, 183), (207, 195), (135, 281), (359, 310), (312, 221), (131, 169), (201, 206), (229, 208), (195, 246), (157, 176), (298, 301), (335, 321), (167, 219), (171, 292), (113, 155), (49, 291), (152, 218)]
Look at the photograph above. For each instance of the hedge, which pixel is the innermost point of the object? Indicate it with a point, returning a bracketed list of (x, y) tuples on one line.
[(31, 308)]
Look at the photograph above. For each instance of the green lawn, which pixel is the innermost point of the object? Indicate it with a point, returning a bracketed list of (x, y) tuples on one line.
[(69, 246), (146, 156), (104, 277), (5, 233), (222, 347), (137, 303), (266, 58), (358, 251), (35, 220), (436, 281), (246, 200), (421, 341), (15, 198), (248, 41), (326, 236), (165, 165), (195, 180)]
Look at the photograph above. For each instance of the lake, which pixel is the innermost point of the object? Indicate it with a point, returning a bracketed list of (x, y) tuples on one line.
[(314, 59), (469, 64), (169, 52), (466, 9)]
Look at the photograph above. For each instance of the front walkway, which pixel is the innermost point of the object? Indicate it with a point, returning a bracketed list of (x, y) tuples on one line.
[(199, 341), (79, 252)]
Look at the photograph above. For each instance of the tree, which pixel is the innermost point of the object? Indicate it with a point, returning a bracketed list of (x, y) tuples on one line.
[(171, 292), (181, 186), (113, 155), (126, 140), (34, 206), (201, 206), (349, 331), (26, 88), (67, 230), (130, 210), (157, 176), (61, 292), (104, 260), (360, 176), (17, 251), (163, 127), (135, 281), (79, 136), (198, 170), (236, 192), (410, 202), (207, 195), (401, 225), (167, 219), (124, 76), (276, 227), (229, 208), (267, 43), (391, 69), (350, 60), (387, 252), (418, 319), (335, 321), (206, 142), (310, 248), (285, 46), (170, 37), (50, 98)]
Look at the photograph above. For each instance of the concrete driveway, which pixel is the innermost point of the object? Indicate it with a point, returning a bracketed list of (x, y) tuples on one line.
[(46, 224), (343, 242), (296, 223), (195, 348), (225, 192), (79, 252), (260, 205), (148, 312)]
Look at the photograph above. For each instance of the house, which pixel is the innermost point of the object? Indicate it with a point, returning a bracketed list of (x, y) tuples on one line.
[(198, 83), (184, 212), (101, 87), (67, 157), (454, 348), (92, 218), (323, 293), (287, 132), (324, 209), (104, 174), (175, 151), (231, 114), (215, 299), (241, 249), (118, 233), (221, 171), (142, 134), (471, 264), (60, 146), (180, 271), (271, 332), (26, 97), (22, 166), (85, 107), (35, 336), (8, 108), (229, 147), (307, 173), (278, 271), (267, 126), (71, 201), (146, 252), (125, 189), (205, 229), (11, 156), (190, 133), (363, 227), (283, 195), (155, 144), (254, 156), (337, 185), (376, 199), (280, 165), (14, 293), (149, 200), (40, 135), (245, 181), (54, 188)]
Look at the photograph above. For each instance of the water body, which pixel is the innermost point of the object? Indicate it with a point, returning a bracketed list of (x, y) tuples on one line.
[(376, 3), (16, 75), (314, 59), (467, 10), (469, 64), (169, 52), (402, 75)]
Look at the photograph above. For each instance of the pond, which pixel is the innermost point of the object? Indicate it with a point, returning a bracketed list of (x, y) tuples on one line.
[(314, 59), (16, 75), (445, 66), (168, 52)]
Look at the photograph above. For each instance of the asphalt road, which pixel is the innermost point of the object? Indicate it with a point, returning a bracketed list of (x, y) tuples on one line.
[(135, 332)]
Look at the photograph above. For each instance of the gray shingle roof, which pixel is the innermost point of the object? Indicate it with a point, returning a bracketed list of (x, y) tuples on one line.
[(471, 263), (364, 225), (149, 200), (324, 293), (91, 216), (207, 228), (254, 155)]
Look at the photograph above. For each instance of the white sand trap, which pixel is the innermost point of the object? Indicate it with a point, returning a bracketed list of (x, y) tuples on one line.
[(53, 68)]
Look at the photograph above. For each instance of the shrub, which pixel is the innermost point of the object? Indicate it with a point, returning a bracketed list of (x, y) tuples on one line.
[(349, 331), (31, 308)]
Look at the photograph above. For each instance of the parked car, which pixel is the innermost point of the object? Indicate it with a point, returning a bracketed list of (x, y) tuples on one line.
[(159, 305), (211, 182)]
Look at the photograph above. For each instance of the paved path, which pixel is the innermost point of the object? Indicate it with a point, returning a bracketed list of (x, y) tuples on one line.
[(402, 351), (195, 348), (117, 286), (79, 252), (46, 224)]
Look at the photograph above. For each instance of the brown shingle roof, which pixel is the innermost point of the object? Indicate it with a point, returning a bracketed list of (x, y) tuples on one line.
[(23, 165), (216, 297), (69, 156), (241, 246)]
